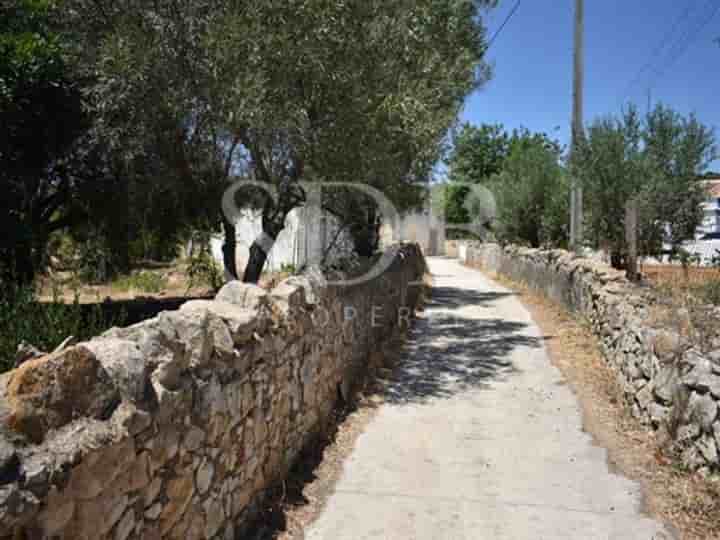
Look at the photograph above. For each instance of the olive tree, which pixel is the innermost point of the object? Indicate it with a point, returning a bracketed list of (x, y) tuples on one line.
[(656, 160)]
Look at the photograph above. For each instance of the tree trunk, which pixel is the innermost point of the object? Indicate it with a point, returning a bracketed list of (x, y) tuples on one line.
[(229, 249), (617, 260), (366, 235), (255, 264), (260, 248), (25, 266)]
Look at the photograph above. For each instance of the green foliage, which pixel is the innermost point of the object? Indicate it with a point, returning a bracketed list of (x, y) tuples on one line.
[(204, 271), (612, 169), (531, 192), (127, 120), (656, 160), (42, 121), (685, 258), (145, 281), (301, 90), (707, 292), (45, 325), (478, 153), (288, 268)]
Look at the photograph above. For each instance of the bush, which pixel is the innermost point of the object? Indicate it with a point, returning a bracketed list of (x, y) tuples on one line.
[(46, 325), (288, 268), (149, 282), (708, 292), (203, 270)]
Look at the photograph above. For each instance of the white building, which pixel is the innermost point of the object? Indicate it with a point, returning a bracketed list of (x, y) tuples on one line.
[(711, 210), (306, 237), (706, 244), (423, 228)]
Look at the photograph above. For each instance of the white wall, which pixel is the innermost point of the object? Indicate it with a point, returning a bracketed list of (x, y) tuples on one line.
[(303, 239)]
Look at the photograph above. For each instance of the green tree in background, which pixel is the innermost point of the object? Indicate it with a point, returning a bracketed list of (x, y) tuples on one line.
[(610, 164), (43, 169), (478, 153), (531, 192), (657, 160), (284, 92)]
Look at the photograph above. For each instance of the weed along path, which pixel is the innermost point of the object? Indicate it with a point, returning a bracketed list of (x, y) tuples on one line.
[(479, 438)]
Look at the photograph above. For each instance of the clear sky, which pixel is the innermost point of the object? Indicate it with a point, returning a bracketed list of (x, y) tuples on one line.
[(533, 60)]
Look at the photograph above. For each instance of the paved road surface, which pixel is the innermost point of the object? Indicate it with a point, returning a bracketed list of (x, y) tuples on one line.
[(480, 439)]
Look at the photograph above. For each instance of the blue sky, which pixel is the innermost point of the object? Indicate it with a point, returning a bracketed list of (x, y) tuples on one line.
[(532, 59)]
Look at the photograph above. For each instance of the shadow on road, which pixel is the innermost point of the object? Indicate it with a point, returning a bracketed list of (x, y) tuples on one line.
[(455, 298), (449, 352)]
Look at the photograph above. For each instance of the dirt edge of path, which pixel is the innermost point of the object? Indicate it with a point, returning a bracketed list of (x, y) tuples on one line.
[(687, 502)]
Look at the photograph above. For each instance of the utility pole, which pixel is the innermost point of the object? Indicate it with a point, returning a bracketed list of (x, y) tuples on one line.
[(576, 197)]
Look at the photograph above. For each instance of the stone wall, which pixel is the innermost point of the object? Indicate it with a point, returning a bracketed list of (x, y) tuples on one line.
[(177, 426), (669, 371)]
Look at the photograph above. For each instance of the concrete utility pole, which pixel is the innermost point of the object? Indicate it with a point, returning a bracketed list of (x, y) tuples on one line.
[(576, 197)]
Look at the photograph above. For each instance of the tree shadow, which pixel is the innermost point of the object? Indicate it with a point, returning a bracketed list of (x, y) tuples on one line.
[(448, 353), (455, 298)]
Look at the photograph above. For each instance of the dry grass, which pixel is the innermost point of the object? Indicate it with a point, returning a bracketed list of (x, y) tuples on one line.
[(697, 285), (686, 501), (676, 276), (172, 278)]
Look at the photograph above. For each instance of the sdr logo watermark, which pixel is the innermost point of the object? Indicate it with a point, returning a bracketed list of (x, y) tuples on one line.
[(478, 202)]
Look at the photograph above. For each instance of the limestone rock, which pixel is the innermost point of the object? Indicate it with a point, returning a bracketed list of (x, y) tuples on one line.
[(215, 517), (100, 468), (666, 384), (126, 525), (50, 392), (192, 332), (241, 322), (16, 507), (194, 439), (244, 295), (132, 419), (123, 360), (57, 513), (204, 476), (701, 377), (666, 345), (703, 410), (708, 449), (26, 352), (179, 491), (288, 296)]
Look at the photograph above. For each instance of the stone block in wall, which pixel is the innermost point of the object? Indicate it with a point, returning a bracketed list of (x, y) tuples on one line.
[(244, 295), (49, 392)]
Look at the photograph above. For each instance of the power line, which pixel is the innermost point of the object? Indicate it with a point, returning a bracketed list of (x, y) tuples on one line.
[(502, 26), (690, 36), (674, 46), (659, 47)]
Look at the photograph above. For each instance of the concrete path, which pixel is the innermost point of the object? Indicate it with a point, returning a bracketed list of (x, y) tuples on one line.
[(480, 439)]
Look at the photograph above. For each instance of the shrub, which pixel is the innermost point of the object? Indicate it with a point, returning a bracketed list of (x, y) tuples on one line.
[(149, 282), (288, 268), (203, 270), (46, 324), (708, 292)]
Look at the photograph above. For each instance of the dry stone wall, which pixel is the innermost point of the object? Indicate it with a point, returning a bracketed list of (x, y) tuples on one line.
[(176, 427), (671, 378)]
